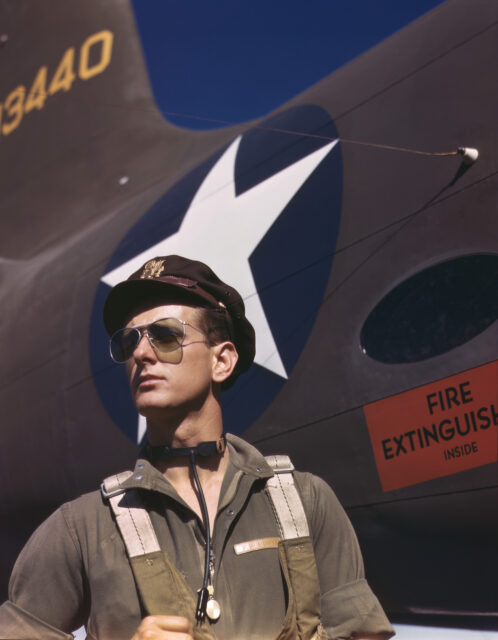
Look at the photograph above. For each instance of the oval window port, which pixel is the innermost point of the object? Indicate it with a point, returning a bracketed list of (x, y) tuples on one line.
[(434, 311)]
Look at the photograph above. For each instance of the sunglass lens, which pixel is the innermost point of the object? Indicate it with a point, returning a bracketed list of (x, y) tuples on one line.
[(166, 334), (123, 344)]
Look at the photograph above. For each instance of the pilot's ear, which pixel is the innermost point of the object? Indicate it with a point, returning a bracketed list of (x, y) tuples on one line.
[(225, 358)]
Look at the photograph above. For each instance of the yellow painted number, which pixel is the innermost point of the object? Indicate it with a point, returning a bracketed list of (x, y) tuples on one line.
[(64, 76), (104, 38), (13, 108), (94, 57), (38, 92)]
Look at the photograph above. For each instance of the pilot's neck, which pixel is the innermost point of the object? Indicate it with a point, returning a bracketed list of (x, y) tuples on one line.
[(186, 431)]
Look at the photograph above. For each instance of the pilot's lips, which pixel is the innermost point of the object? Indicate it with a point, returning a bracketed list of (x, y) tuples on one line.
[(147, 381)]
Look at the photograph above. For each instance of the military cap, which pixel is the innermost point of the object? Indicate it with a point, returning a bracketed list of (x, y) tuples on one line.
[(160, 278)]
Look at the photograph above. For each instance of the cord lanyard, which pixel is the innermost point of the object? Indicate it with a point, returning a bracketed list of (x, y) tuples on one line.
[(206, 603), (213, 609)]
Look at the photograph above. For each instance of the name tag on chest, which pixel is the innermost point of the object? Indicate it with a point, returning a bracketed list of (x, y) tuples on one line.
[(256, 545)]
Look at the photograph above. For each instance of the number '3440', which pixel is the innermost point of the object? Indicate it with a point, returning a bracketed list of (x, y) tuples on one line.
[(94, 57)]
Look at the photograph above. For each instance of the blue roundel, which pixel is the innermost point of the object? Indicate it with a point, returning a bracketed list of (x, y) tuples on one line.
[(275, 199)]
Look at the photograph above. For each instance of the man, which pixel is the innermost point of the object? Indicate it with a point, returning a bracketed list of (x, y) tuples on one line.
[(205, 538)]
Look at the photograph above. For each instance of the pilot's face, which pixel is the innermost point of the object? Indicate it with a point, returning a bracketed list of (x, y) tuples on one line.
[(170, 385)]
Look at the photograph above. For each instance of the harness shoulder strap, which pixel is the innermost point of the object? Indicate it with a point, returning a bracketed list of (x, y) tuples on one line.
[(161, 587), (285, 498), (297, 558), (132, 518)]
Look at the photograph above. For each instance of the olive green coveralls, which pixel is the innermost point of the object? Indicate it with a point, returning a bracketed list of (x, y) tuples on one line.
[(75, 569)]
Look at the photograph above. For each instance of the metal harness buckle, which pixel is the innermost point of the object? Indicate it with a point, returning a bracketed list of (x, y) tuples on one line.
[(112, 492)]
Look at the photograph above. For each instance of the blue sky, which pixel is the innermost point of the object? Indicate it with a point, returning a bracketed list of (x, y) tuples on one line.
[(235, 61)]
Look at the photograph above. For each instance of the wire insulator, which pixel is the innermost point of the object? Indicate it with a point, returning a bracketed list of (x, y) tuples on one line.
[(469, 154)]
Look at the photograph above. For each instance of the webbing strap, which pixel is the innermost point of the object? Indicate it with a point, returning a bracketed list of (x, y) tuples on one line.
[(112, 485), (285, 498), (162, 589), (132, 518)]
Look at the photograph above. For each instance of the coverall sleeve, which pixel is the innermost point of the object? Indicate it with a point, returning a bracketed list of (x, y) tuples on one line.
[(349, 608), (46, 589)]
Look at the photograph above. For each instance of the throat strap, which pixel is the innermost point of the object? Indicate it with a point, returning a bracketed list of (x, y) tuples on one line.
[(203, 449)]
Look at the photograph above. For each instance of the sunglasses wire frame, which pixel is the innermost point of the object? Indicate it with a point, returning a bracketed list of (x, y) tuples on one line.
[(122, 345)]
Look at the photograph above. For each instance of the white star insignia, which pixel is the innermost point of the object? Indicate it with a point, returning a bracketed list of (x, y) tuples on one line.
[(222, 230)]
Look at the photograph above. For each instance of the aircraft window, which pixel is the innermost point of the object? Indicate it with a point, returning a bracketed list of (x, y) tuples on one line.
[(434, 311)]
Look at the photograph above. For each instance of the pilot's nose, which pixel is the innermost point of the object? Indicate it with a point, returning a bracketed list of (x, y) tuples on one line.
[(144, 350)]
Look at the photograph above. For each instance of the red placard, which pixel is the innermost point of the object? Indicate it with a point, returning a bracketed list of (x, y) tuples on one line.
[(437, 429)]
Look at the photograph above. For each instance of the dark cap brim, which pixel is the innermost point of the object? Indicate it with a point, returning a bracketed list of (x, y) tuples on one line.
[(130, 295)]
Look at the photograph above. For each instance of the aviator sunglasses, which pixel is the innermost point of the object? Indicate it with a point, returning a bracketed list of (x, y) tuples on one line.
[(164, 335)]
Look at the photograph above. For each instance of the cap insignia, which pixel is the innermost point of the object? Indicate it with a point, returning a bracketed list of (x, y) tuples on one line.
[(152, 269)]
